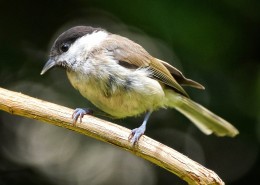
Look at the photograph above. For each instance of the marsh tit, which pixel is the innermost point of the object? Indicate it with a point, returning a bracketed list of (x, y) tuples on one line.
[(122, 79)]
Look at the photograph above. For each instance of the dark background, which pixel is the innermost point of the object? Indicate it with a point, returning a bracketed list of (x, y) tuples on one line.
[(213, 42)]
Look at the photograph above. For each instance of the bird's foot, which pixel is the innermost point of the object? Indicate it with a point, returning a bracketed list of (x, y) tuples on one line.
[(79, 114), (136, 134)]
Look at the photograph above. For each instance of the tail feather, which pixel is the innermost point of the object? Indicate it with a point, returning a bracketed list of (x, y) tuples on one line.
[(204, 119)]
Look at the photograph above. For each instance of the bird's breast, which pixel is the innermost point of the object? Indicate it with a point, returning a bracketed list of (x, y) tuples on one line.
[(119, 94)]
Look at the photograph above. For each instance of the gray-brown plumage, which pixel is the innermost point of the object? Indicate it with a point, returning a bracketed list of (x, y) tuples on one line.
[(121, 78)]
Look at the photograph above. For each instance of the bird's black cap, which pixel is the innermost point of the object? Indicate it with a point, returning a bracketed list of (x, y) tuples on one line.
[(70, 36)]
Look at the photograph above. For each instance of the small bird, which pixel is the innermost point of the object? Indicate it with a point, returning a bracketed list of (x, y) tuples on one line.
[(122, 79)]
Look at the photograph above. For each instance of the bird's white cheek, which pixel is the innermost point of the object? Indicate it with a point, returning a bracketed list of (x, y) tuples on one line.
[(82, 48), (70, 60)]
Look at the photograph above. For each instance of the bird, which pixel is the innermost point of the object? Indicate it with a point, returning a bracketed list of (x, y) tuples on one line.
[(122, 79)]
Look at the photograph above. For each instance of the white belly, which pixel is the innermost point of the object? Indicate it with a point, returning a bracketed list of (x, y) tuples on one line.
[(121, 98)]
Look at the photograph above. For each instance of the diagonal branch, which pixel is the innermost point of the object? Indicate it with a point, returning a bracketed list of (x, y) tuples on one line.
[(147, 148)]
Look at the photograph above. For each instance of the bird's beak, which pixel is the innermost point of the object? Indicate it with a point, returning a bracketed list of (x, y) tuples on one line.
[(50, 63)]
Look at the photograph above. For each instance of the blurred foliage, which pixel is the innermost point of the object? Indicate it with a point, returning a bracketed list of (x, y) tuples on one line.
[(213, 42)]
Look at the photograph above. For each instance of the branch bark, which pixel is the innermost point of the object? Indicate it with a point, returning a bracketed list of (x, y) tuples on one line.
[(147, 148)]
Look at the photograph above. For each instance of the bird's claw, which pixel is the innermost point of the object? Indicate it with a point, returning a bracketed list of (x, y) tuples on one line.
[(79, 114), (136, 134)]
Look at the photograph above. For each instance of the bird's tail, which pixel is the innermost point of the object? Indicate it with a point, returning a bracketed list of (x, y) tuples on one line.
[(204, 119)]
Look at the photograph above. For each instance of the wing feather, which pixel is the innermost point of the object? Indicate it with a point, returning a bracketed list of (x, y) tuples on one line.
[(129, 53), (180, 77)]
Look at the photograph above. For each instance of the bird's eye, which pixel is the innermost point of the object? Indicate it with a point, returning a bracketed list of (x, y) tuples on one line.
[(64, 47)]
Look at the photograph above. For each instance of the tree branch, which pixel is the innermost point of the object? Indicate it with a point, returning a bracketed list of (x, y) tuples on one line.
[(147, 148)]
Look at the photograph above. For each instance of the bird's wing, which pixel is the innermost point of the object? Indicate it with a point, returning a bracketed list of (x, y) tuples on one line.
[(180, 78), (132, 55)]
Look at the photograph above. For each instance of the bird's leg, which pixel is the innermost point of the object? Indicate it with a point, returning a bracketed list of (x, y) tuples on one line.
[(79, 114), (138, 132)]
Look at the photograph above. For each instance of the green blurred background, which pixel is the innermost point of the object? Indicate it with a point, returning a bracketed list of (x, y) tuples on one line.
[(213, 42)]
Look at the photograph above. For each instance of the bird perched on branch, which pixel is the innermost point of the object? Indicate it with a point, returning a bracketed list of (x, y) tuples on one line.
[(122, 79)]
